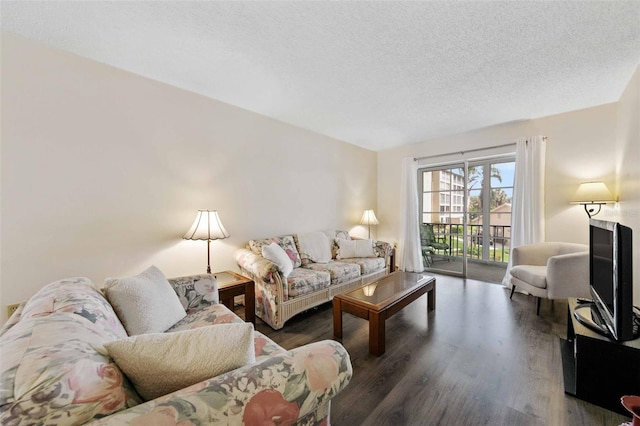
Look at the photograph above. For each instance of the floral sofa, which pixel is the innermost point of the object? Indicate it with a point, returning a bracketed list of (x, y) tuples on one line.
[(279, 296), (55, 368)]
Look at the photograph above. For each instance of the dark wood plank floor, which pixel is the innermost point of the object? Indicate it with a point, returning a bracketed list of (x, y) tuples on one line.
[(479, 359)]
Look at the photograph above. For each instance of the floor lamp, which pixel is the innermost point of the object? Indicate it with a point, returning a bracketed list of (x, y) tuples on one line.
[(206, 226)]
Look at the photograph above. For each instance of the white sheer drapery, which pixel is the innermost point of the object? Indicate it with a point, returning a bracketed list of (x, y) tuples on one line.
[(411, 252), (527, 209)]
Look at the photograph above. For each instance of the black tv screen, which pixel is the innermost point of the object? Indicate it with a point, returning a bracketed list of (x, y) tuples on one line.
[(611, 277), (602, 265)]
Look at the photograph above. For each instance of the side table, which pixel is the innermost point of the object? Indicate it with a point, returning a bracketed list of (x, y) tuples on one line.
[(392, 260), (231, 285)]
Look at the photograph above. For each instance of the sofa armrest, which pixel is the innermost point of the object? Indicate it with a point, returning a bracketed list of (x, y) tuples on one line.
[(291, 386), (257, 266), (196, 292), (271, 287), (382, 249)]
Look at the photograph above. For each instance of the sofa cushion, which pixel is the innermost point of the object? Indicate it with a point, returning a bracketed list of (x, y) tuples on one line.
[(340, 272), (214, 314), (286, 242), (534, 275), (303, 281), (145, 303), (313, 247), (55, 370), (220, 314), (161, 363), (349, 249), (277, 255), (367, 264), (196, 291)]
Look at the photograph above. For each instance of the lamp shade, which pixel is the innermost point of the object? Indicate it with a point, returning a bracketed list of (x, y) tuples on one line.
[(593, 193), (206, 226), (369, 218)]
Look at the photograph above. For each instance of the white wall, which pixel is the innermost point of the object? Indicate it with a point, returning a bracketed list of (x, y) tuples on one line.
[(578, 149), (600, 143), (628, 170), (103, 172)]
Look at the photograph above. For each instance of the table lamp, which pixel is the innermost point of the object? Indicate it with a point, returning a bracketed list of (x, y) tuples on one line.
[(206, 226)]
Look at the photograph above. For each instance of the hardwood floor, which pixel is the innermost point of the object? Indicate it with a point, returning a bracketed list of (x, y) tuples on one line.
[(478, 359)]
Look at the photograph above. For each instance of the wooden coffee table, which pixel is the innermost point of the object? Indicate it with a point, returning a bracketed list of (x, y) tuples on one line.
[(380, 300)]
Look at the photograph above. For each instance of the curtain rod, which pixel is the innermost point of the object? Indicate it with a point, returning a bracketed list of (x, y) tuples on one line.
[(464, 152), (469, 150)]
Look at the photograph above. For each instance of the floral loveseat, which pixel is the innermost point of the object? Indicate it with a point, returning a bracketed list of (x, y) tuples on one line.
[(280, 296), (55, 368)]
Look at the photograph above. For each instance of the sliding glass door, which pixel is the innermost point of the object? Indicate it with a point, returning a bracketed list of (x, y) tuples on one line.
[(466, 217), (443, 210)]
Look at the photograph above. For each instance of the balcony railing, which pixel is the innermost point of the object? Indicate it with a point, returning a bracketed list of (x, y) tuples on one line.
[(452, 234)]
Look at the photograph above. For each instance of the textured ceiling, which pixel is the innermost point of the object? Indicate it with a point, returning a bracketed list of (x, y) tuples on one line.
[(375, 74)]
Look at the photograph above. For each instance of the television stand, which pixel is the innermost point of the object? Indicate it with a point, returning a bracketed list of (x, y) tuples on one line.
[(587, 314), (597, 369)]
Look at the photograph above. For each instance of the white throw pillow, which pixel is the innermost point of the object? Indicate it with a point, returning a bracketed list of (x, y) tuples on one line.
[(145, 303), (161, 363), (315, 246), (277, 255), (349, 249)]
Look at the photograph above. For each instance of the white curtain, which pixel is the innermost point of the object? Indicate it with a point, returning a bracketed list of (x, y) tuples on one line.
[(411, 252), (527, 209)]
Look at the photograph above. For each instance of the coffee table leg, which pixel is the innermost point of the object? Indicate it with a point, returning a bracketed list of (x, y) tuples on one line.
[(431, 298), (376, 333), (337, 318)]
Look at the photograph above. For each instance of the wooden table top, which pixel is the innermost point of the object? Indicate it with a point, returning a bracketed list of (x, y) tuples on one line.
[(382, 293)]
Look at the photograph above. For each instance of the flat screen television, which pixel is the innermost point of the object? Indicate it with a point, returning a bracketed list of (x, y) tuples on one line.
[(611, 278)]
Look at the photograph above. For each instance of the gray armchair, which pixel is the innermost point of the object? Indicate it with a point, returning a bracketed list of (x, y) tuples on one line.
[(551, 270)]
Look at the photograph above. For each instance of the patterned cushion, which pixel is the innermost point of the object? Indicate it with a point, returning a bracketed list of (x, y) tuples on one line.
[(303, 281), (367, 264), (286, 242), (340, 272), (220, 314), (55, 371), (214, 314)]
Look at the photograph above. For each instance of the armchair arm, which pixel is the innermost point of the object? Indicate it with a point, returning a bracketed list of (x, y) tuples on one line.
[(295, 386), (568, 276)]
